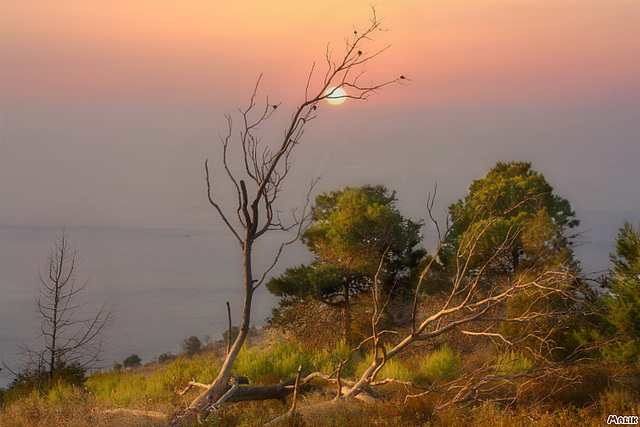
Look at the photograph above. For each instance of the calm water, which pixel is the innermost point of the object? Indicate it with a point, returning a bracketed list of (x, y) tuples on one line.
[(163, 285)]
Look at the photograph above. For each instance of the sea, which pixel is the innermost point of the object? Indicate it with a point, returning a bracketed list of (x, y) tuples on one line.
[(161, 285)]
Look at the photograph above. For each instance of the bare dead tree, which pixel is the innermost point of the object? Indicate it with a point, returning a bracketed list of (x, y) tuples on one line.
[(469, 307), (71, 336), (261, 177)]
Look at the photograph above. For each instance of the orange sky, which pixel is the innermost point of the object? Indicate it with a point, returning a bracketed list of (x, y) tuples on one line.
[(490, 80), (108, 109), (455, 51)]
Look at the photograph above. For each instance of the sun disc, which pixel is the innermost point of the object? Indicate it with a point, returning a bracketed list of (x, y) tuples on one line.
[(335, 95)]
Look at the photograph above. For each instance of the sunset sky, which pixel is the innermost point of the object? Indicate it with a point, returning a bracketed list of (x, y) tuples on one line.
[(109, 108)]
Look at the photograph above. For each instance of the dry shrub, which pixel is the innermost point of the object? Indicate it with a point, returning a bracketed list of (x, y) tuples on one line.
[(620, 401), (77, 408), (309, 322), (246, 414), (580, 388)]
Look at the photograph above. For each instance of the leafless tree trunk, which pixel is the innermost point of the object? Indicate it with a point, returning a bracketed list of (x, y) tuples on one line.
[(469, 308), (261, 178), (70, 337), (472, 309)]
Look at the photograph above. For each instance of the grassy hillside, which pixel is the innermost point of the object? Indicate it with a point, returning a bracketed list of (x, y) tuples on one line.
[(148, 395)]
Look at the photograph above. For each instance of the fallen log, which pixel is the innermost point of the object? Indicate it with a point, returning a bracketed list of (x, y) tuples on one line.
[(244, 393)]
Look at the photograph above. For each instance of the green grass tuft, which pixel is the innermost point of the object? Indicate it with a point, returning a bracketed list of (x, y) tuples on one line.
[(440, 363)]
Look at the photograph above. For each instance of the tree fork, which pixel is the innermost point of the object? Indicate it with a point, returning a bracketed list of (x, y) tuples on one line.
[(265, 173)]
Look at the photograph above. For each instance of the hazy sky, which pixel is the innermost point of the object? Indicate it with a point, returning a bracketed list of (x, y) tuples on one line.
[(109, 108)]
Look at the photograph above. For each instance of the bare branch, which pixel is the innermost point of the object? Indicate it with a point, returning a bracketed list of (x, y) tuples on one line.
[(260, 178), (69, 337), (216, 206)]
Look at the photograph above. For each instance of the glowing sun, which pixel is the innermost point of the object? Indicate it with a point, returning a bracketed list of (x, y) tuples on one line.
[(335, 95)]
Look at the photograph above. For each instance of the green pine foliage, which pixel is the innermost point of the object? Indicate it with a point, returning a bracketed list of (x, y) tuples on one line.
[(191, 345), (516, 204), (353, 230), (132, 361), (622, 303)]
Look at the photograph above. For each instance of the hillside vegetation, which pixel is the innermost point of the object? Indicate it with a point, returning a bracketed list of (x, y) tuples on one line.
[(498, 327), (148, 395)]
